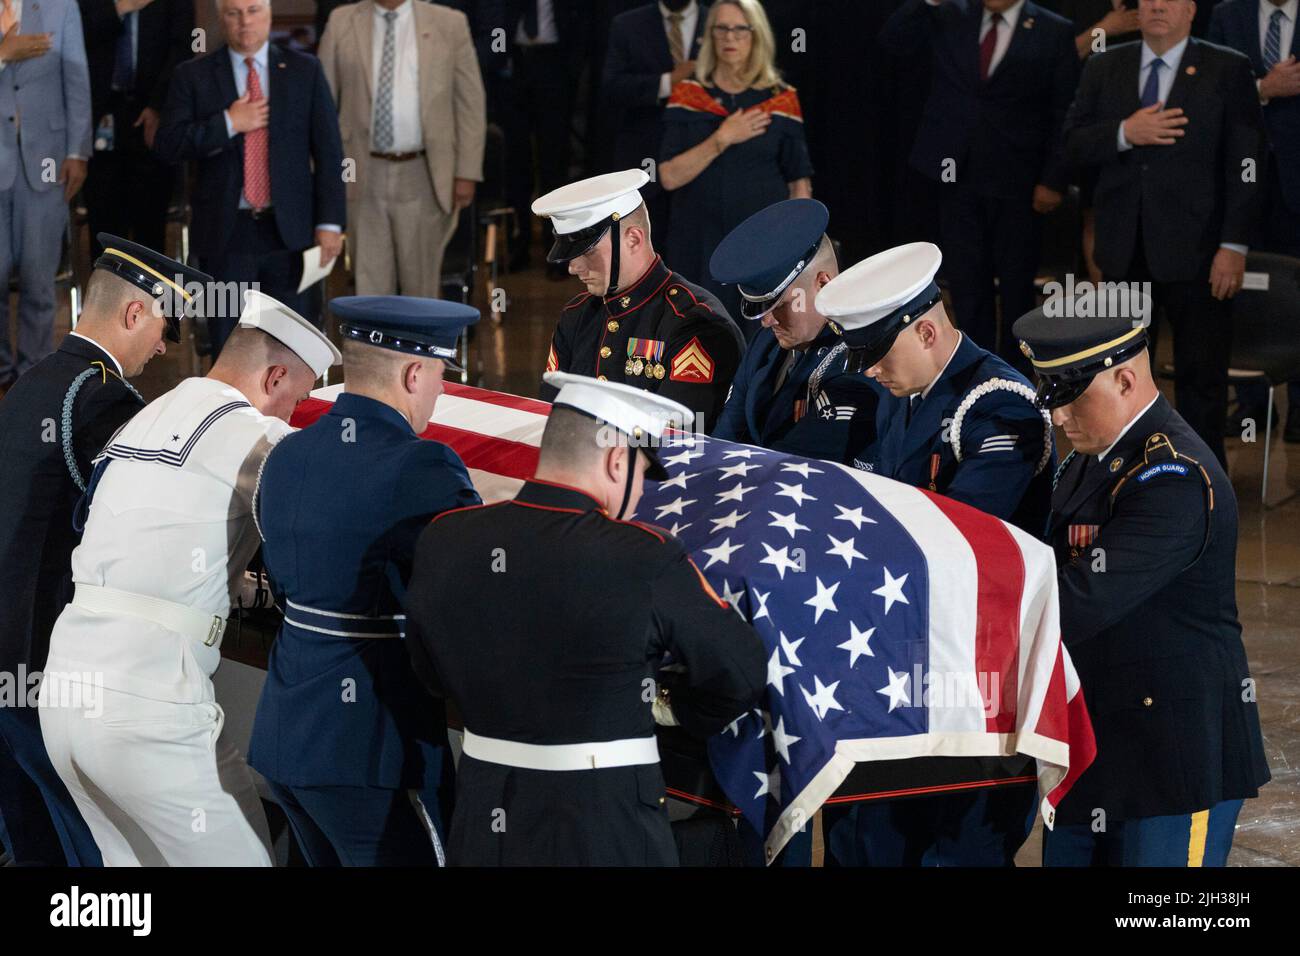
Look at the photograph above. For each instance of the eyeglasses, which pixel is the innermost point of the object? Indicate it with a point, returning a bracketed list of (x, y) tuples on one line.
[(741, 32)]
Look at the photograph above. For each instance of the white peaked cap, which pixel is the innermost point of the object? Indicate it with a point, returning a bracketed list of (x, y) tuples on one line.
[(290, 329), (588, 202), (878, 286), (633, 411)]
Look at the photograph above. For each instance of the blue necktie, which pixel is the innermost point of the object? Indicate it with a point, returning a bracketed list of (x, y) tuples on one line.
[(1273, 41), (1151, 92), (124, 55)]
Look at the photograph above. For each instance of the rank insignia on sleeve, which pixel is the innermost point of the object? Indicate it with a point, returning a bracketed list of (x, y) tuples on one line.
[(1082, 535), (552, 360), (692, 364)]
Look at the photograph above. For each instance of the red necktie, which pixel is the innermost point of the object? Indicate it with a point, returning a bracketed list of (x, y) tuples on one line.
[(988, 45), (257, 172)]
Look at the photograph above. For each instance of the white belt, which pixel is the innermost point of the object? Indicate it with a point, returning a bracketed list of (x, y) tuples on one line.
[(194, 624), (590, 756)]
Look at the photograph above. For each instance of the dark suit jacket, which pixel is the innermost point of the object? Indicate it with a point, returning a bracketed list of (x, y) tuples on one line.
[(1153, 631), (306, 154), (1005, 135), (638, 56), (162, 40), (1188, 197), (1236, 24)]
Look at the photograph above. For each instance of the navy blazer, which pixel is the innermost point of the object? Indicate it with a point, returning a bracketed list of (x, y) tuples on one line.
[(1002, 442), (306, 153), (638, 56), (835, 424), (1235, 24), (1005, 135)]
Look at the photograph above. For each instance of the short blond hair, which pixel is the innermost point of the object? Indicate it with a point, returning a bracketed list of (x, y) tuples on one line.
[(760, 70)]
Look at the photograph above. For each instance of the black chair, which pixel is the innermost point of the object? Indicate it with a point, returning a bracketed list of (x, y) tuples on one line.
[(460, 269), (1266, 336)]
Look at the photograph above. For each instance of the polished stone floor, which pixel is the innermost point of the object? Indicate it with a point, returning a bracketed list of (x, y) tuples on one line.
[(510, 355)]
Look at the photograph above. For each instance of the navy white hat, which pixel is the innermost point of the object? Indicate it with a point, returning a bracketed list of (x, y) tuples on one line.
[(426, 327), (870, 303), (766, 253), (639, 414), (289, 328), (176, 286), (582, 212), (1068, 350)]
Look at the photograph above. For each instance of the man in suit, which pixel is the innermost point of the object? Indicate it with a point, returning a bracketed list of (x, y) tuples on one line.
[(270, 163), (651, 48), (1265, 31), (44, 144), (1144, 524), (1173, 124), (793, 391), (1004, 75), (132, 47), (413, 118), (961, 422), (52, 424)]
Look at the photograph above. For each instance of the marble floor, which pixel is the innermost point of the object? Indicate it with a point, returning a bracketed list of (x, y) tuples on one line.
[(509, 355)]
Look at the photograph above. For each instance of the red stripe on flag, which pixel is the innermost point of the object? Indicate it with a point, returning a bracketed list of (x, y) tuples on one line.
[(1000, 573), (517, 402), (1076, 732)]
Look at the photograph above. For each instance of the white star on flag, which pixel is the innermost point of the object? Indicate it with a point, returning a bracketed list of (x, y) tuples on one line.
[(678, 480), (734, 726), (770, 783), (791, 649), (732, 597), (823, 701), (794, 491), (762, 605), (857, 645), (679, 528), (782, 741), (778, 559), (824, 599), (742, 453), (683, 457), (673, 507), (728, 521), (787, 523), (892, 590), (739, 470), (735, 494), (855, 515), (776, 671), (722, 552), (803, 468), (845, 550), (897, 689)]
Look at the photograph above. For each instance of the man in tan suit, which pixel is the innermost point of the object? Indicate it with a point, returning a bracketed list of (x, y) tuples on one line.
[(413, 118)]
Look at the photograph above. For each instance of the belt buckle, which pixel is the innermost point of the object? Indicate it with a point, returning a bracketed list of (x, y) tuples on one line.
[(215, 631)]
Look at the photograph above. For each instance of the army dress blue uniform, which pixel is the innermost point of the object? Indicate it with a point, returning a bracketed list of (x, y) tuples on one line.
[(343, 730), (1146, 539), (976, 436)]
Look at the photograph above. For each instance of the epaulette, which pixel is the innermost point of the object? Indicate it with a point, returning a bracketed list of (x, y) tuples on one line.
[(576, 301), (1159, 457), (675, 291)]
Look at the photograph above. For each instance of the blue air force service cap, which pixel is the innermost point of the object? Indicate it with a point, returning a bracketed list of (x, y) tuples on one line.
[(766, 253), (425, 327), (1068, 349), (176, 287), (870, 303)]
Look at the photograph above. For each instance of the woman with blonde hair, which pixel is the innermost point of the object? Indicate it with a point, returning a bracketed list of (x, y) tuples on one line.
[(733, 142)]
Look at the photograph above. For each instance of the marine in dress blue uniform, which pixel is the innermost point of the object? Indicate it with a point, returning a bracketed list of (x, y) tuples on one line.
[(1145, 533), (960, 422), (53, 422), (352, 746), (793, 392)]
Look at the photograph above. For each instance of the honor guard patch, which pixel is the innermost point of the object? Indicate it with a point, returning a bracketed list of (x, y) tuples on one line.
[(692, 364), (1164, 468), (552, 360), (1082, 535)]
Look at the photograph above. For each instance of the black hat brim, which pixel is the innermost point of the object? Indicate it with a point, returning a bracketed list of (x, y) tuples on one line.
[(571, 245), (1056, 392)]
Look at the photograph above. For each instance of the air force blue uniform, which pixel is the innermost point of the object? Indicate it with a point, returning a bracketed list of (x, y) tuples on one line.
[(343, 729)]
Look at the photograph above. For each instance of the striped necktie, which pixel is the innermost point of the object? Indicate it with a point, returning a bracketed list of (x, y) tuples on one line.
[(1273, 40), (676, 42), (384, 98)]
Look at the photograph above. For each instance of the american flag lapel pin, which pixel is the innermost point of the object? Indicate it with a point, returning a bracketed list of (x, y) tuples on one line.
[(1190, 71), (1029, 23)]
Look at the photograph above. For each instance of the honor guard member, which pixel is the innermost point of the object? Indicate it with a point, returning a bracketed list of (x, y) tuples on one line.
[(961, 422), (53, 422), (353, 747), (127, 705), (545, 618), (793, 392), (639, 322), (1144, 523)]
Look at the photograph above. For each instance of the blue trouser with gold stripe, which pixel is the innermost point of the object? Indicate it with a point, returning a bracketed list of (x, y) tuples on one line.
[(1183, 839)]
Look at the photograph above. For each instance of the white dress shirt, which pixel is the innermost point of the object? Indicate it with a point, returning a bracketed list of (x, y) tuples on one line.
[(546, 30), (408, 137), (1011, 19), (1124, 431), (116, 363), (690, 19)]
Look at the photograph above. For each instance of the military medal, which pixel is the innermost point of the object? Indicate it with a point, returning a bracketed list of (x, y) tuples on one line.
[(637, 366), (627, 369), (934, 471), (659, 370), (643, 357)]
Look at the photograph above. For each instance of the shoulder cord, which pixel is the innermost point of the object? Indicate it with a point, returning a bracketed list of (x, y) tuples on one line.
[(815, 380), (65, 419), (1002, 385)]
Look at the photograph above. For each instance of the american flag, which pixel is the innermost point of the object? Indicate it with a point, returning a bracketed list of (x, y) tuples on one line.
[(897, 623)]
